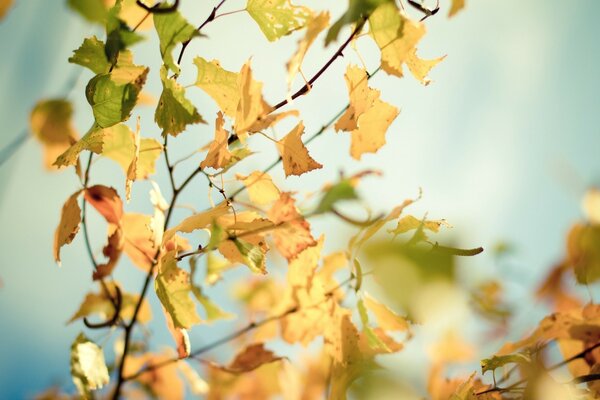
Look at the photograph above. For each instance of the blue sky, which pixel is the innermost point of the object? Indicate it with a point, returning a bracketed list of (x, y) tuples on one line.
[(503, 142)]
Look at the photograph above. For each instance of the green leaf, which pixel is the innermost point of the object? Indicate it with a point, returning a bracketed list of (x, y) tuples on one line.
[(213, 311), (583, 252), (277, 18), (172, 29), (173, 287), (92, 141), (91, 55), (88, 368), (118, 35), (357, 9), (343, 190), (490, 364), (92, 10), (174, 112), (252, 255), (112, 102)]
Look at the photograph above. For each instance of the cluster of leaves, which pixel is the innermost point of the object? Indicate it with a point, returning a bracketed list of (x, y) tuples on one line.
[(323, 298)]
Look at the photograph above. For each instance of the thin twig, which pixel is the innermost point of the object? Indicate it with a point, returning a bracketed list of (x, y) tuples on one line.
[(158, 7)]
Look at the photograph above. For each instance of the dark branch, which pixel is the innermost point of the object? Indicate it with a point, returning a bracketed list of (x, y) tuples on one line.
[(158, 8)]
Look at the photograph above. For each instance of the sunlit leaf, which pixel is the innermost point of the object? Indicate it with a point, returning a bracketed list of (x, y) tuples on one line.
[(456, 6), (163, 383), (218, 155), (292, 234), (250, 358), (92, 141), (277, 18), (367, 118), (386, 318), (409, 223), (252, 255), (251, 106), (260, 187), (88, 368), (106, 201), (218, 83), (490, 364), (315, 26), (70, 218), (294, 154), (356, 10), (420, 68), (583, 252)]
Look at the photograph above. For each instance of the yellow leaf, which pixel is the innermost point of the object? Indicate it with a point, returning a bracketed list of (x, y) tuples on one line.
[(250, 358), (88, 368), (395, 35), (420, 68), (277, 18), (135, 16), (386, 318), (164, 383), (106, 201), (261, 188), (197, 221), (315, 26), (139, 243), (456, 6), (294, 154), (132, 168), (292, 234), (92, 141), (218, 83), (409, 223), (251, 107), (367, 118), (51, 125), (70, 218), (218, 155), (591, 205)]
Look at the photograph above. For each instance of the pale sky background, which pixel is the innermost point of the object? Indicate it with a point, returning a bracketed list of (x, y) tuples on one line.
[(503, 143)]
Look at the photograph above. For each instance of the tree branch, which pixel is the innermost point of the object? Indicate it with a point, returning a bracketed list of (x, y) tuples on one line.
[(157, 8)]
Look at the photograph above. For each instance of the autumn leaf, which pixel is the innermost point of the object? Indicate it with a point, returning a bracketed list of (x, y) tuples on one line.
[(91, 55), (100, 304), (292, 234), (106, 201), (314, 27), (395, 35), (218, 155), (197, 221), (294, 154), (88, 367), (260, 187), (93, 141), (70, 218), (51, 124), (420, 68), (218, 83), (356, 10), (5, 5), (367, 117), (174, 111), (173, 288), (277, 18), (164, 383), (409, 223), (386, 318), (456, 6), (251, 106), (583, 252), (172, 29)]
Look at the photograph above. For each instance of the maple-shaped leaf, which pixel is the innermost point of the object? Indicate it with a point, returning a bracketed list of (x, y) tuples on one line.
[(51, 124), (70, 218), (118, 144), (260, 187), (112, 101), (218, 83), (292, 234), (356, 10), (218, 155), (174, 111), (420, 68), (396, 37), (315, 26), (294, 154), (456, 6), (173, 288), (250, 358), (91, 141), (367, 117), (277, 18), (164, 382), (100, 304), (88, 368), (172, 29)]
